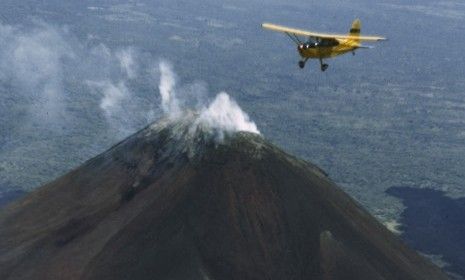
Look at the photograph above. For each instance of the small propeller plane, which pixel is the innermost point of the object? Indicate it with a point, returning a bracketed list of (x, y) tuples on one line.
[(323, 45)]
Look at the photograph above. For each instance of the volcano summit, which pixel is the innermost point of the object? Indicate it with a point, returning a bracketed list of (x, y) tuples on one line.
[(171, 202)]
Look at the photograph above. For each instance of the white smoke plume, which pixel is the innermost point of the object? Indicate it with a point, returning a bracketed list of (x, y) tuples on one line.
[(63, 99), (224, 115), (123, 109), (115, 97), (30, 62), (169, 102), (221, 116), (112, 96), (127, 62)]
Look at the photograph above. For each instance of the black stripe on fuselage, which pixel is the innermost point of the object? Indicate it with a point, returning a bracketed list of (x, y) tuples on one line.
[(354, 30)]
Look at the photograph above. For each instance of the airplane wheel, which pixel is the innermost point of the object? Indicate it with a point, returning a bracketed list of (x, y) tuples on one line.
[(301, 64), (324, 67)]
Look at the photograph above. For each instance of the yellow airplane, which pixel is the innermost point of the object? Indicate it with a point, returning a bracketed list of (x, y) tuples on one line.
[(323, 45)]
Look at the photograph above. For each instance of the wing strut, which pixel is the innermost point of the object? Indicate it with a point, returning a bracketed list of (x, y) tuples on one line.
[(294, 38)]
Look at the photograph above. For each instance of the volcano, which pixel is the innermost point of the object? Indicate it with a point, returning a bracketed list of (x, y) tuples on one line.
[(173, 203)]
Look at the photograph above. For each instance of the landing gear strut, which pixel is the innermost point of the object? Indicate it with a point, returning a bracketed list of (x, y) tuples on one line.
[(324, 66)]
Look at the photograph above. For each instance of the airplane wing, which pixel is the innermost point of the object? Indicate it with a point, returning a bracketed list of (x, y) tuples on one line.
[(301, 32)]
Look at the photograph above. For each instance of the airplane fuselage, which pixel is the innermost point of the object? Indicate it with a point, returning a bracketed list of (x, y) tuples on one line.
[(332, 49)]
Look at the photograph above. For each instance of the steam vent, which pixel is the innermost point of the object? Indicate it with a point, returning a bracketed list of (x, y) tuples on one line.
[(173, 202)]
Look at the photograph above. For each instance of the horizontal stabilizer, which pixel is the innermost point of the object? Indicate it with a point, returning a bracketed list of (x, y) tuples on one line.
[(365, 47)]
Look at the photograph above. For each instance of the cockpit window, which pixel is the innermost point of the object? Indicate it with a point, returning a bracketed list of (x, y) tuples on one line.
[(314, 42), (311, 41), (328, 43)]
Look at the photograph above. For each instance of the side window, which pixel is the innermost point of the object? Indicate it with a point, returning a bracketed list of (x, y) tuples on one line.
[(329, 43)]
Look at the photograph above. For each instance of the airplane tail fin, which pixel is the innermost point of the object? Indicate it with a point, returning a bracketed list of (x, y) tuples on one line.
[(355, 30)]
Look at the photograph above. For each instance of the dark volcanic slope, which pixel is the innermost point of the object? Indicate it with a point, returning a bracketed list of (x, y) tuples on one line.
[(162, 205)]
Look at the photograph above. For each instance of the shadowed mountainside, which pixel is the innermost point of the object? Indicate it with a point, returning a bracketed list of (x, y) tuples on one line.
[(169, 203), (10, 196)]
